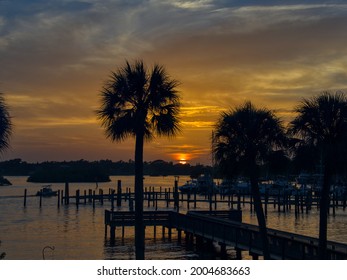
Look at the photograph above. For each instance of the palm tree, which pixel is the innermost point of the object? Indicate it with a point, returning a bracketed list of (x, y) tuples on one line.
[(321, 125), (5, 125), (5, 133), (244, 139), (140, 103)]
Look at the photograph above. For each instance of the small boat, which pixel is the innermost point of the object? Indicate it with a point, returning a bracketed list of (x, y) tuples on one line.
[(46, 191), (190, 186), (202, 185)]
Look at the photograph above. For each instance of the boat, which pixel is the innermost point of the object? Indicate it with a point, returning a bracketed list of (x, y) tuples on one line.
[(4, 181), (46, 191), (202, 185)]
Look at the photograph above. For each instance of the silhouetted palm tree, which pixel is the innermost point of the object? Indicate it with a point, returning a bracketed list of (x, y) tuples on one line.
[(5, 133), (139, 103), (321, 125), (244, 139), (5, 125)]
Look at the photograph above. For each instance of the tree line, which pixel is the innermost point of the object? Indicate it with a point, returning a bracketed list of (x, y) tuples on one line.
[(91, 171)]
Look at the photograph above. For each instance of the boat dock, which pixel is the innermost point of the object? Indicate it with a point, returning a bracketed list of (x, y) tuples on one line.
[(226, 229)]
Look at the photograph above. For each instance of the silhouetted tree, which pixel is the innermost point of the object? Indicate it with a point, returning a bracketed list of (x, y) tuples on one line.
[(140, 103), (5, 125), (321, 125), (244, 139), (5, 132)]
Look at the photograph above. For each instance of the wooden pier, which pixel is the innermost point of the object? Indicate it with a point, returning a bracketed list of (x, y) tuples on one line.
[(225, 228), (282, 202)]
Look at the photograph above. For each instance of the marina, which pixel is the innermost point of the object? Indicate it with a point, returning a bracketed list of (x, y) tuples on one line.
[(76, 229)]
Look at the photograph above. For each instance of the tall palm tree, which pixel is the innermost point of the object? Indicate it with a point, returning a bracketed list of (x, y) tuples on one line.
[(244, 139), (141, 103), (5, 125), (321, 125), (5, 133)]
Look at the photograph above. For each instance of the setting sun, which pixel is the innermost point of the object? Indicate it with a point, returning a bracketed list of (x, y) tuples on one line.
[(182, 158)]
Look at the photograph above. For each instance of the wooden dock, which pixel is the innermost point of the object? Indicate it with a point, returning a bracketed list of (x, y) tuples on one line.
[(226, 228)]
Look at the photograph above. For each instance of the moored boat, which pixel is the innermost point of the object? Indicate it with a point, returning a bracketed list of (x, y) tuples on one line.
[(46, 191), (202, 184)]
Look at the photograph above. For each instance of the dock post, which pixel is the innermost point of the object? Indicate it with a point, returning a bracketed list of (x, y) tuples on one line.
[(163, 232), (112, 232), (223, 249), (85, 196), (266, 201), (119, 193), (153, 197), (131, 205), (58, 202), (62, 197), (179, 235), (176, 194), (238, 254), (156, 201), (67, 198), (77, 197), (112, 200), (40, 199), (238, 202), (25, 197), (167, 198), (90, 195), (215, 201), (101, 195), (251, 203), (169, 233), (148, 197), (93, 199)]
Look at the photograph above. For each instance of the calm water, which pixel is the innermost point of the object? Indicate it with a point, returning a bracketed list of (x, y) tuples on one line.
[(79, 233)]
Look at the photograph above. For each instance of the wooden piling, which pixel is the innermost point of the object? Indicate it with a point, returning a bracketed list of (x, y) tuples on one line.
[(176, 196), (62, 197), (93, 199), (90, 195), (67, 195), (119, 193), (85, 196), (58, 202), (238, 254), (112, 200), (77, 197), (25, 197), (40, 200), (179, 235), (101, 196)]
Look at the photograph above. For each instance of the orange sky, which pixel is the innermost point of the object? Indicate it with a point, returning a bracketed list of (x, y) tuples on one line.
[(55, 58)]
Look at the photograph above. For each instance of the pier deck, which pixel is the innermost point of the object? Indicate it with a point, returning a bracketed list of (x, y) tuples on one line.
[(225, 228)]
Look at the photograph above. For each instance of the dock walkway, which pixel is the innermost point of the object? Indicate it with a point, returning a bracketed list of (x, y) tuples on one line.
[(226, 228)]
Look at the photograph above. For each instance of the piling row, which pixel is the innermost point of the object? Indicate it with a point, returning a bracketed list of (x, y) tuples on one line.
[(171, 197)]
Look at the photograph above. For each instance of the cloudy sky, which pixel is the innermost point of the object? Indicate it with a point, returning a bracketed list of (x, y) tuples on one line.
[(55, 56)]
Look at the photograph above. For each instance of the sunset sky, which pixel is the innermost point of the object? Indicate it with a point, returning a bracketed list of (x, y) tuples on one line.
[(55, 56)]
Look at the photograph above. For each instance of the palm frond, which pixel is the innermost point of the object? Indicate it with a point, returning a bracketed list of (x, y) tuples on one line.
[(5, 125)]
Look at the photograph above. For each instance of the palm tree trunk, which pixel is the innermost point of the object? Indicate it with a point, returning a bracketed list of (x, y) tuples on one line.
[(323, 214), (260, 216), (139, 225)]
